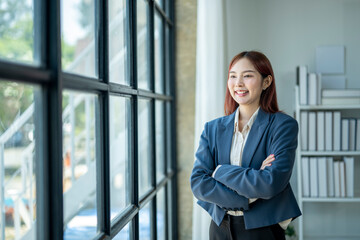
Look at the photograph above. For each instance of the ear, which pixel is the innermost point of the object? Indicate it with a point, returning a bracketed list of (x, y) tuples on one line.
[(267, 82)]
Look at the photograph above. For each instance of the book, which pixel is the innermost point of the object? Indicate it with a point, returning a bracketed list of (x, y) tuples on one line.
[(337, 131), (330, 175), (358, 135), (314, 183), (346, 93), (322, 169), (337, 178), (303, 84), (345, 134), (305, 176), (313, 89), (342, 179), (340, 101), (320, 120), (318, 88), (304, 130), (349, 176), (352, 136), (328, 131), (312, 131)]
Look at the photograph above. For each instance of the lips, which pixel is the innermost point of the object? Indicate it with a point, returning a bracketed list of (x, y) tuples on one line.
[(241, 92)]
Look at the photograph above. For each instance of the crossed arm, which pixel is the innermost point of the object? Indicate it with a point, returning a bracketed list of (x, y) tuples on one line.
[(233, 186)]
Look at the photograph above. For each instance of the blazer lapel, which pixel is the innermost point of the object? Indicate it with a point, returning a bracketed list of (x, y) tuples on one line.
[(225, 139), (254, 137)]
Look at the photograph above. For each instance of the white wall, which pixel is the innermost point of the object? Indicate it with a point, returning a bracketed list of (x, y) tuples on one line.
[(289, 31)]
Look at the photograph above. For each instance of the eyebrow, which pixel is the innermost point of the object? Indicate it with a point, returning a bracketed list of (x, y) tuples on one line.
[(243, 71)]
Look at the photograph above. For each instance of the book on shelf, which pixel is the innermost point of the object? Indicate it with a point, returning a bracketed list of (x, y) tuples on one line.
[(345, 134), (352, 136), (336, 178), (318, 89), (342, 93), (328, 131), (358, 135), (303, 130), (303, 84), (340, 101), (314, 87), (330, 175), (314, 180), (305, 176), (342, 179), (322, 176), (312, 131), (349, 176), (337, 131), (320, 119)]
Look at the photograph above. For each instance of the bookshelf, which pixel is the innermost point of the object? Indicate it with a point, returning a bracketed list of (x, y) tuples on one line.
[(327, 217)]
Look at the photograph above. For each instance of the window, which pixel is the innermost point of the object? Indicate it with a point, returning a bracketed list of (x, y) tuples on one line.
[(87, 140)]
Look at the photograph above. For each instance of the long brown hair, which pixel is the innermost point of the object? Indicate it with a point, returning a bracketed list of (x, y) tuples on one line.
[(268, 100)]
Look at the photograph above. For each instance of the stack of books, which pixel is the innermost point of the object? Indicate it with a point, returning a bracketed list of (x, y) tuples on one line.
[(340, 96), (326, 177)]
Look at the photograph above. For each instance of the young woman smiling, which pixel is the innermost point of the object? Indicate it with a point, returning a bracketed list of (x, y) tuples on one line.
[(246, 196)]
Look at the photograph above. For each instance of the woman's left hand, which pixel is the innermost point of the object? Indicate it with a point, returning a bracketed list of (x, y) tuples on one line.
[(267, 162)]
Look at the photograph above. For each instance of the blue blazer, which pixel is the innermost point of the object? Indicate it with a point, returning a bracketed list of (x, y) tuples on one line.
[(232, 186)]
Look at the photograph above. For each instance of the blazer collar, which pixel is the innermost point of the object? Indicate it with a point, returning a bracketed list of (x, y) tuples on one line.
[(254, 137)]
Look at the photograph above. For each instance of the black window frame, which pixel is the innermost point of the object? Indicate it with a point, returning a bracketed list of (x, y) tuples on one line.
[(53, 81)]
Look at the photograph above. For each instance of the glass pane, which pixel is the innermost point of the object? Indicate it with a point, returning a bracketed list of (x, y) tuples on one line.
[(160, 214), (79, 172), (170, 214), (78, 37), (144, 146), (169, 137), (159, 79), (167, 6), (160, 3), (117, 44), (119, 154), (168, 61), (124, 234), (145, 223), (17, 31), (142, 50), (17, 162), (160, 140)]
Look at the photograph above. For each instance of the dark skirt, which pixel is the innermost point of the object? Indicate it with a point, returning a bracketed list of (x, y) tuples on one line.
[(233, 228)]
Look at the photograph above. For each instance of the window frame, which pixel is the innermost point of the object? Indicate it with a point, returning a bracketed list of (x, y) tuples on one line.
[(53, 81)]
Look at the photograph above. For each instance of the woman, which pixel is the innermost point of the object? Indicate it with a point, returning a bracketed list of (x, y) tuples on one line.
[(246, 196)]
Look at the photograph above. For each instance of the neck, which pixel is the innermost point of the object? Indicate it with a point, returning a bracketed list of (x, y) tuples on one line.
[(247, 111)]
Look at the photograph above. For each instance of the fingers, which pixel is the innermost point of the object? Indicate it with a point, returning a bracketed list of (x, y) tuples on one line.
[(267, 162), (269, 159)]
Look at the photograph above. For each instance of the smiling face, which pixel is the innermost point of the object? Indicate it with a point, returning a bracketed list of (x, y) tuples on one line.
[(246, 84)]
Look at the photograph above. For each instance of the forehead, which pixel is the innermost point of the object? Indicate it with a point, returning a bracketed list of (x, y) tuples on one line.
[(241, 65)]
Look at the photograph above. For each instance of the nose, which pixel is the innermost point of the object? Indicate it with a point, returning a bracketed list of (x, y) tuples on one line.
[(239, 81)]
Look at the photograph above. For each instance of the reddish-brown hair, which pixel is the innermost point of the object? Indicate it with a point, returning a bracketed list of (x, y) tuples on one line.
[(268, 100)]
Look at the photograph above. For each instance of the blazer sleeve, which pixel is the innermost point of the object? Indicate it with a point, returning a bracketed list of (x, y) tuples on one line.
[(253, 183), (205, 187)]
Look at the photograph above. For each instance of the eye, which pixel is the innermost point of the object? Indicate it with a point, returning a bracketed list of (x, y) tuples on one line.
[(232, 76), (247, 76)]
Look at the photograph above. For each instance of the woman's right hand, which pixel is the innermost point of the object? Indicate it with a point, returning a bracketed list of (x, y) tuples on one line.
[(267, 162)]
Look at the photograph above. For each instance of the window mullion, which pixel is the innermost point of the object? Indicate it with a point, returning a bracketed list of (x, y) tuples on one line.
[(49, 184)]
